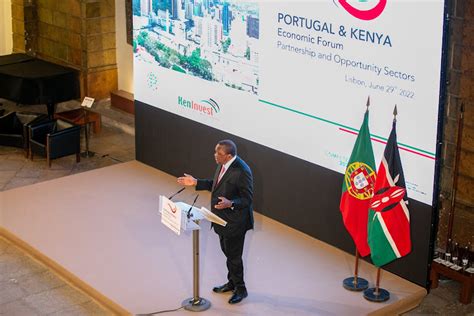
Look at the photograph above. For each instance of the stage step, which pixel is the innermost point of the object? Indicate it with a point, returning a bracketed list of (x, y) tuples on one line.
[(122, 100)]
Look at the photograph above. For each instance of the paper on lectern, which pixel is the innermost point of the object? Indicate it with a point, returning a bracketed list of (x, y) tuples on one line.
[(212, 217), (188, 223), (170, 214), (195, 212)]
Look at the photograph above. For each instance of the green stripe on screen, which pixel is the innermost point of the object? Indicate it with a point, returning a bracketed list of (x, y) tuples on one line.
[(339, 125)]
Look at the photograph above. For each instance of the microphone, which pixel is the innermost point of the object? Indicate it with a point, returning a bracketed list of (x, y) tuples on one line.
[(179, 191), (189, 211)]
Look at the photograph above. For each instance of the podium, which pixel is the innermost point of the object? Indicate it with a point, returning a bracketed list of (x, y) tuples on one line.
[(180, 217)]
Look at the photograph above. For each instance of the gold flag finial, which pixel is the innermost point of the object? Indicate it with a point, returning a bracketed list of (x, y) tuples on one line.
[(395, 112), (368, 103)]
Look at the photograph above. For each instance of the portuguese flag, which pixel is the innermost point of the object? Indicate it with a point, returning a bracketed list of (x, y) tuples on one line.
[(358, 188), (389, 219)]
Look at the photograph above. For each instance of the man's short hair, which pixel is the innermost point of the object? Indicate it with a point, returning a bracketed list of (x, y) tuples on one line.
[(228, 146)]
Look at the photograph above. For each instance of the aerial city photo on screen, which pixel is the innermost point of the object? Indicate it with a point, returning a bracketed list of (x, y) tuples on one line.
[(215, 40)]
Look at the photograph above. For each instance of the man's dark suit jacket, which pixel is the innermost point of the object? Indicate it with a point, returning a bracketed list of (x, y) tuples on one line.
[(237, 186)]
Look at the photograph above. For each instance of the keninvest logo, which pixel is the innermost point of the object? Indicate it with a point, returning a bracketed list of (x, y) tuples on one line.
[(359, 8), (208, 107)]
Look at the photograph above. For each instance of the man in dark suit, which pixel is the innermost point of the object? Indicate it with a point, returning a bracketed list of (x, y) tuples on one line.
[(231, 199)]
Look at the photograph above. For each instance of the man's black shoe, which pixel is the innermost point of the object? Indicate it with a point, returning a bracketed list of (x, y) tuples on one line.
[(238, 296), (223, 288)]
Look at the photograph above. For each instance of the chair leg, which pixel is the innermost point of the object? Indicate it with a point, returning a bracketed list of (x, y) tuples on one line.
[(26, 150), (78, 157), (25, 141), (30, 152), (47, 152)]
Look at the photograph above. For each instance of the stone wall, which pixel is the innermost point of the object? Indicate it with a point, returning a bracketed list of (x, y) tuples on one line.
[(460, 91), (76, 33), (6, 40)]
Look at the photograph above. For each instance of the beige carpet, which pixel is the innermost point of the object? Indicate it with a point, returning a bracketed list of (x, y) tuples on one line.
[(103, 228)]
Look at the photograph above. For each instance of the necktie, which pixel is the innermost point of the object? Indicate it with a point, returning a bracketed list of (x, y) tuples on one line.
[(221, 174)]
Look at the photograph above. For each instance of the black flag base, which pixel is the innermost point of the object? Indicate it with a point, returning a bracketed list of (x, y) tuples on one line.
[(355, 284), (376, 296), (199, 305)]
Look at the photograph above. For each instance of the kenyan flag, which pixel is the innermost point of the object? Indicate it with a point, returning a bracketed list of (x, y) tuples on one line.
[(358, 188), (389, 219)]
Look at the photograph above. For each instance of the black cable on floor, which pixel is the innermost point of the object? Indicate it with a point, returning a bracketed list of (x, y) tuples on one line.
[(161, 312), (110, 157)]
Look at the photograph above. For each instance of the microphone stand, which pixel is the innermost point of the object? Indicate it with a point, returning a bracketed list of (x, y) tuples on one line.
[(176, 193), (188, 214)]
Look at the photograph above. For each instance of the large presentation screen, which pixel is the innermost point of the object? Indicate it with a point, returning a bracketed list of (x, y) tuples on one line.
[(295, 76)]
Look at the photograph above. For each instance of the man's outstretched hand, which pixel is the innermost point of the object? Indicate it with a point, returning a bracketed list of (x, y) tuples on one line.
[(187, 180)]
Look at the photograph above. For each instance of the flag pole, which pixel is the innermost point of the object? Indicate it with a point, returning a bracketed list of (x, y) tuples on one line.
[(356, 270), (355, 283), (377, 283), (377, 294)]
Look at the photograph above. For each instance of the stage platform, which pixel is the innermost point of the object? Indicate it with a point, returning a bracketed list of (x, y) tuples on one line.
[(102, 231)]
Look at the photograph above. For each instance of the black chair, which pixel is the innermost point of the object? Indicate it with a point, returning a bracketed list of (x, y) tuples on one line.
[(14, 128), (55, 139)]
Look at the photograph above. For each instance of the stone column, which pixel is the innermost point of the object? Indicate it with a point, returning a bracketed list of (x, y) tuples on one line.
[(75, 33), (98, 47), (24, 26)]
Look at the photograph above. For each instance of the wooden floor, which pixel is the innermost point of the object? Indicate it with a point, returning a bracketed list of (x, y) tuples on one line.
[(103, 230)]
